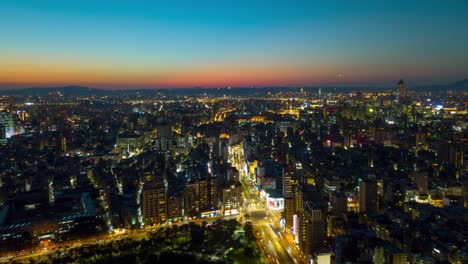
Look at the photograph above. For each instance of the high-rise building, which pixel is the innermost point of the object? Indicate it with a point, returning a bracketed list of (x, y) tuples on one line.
[(289, 182), (298, 195), (312, 229), (368, 196), (232, 174), (289, 188), (213, 193), (289, 211), (221, 149), (403, 92), (202, 194), (232, 199), (190, 200), (154, 203)]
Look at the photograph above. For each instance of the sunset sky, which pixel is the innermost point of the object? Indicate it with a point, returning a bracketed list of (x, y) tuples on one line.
[(163, 44)]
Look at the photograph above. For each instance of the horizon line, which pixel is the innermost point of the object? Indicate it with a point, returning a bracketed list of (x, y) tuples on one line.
[(381, 85)]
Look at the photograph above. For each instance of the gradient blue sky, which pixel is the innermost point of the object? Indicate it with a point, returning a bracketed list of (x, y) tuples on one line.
[(142, 44)]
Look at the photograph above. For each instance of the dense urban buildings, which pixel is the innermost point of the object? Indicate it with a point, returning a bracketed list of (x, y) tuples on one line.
[(328, 177)]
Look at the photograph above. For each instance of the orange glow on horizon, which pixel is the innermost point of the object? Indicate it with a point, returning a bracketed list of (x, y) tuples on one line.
[(19, 72), (60, 73)]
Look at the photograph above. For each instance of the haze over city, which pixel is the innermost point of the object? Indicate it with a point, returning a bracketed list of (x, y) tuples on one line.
[(160, 44)]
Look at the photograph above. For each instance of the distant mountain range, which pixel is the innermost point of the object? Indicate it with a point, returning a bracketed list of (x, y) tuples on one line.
[(456, 86), (67, 90), (86, 91)]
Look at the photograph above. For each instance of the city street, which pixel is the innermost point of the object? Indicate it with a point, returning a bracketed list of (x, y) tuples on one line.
[(275, 246)]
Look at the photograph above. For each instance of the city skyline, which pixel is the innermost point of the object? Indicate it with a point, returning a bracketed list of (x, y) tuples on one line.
[(300, 43)]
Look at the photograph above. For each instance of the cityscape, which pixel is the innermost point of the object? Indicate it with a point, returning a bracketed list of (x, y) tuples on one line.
[(232, 152)]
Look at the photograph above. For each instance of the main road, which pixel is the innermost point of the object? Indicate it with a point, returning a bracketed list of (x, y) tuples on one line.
[(276, 248)]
